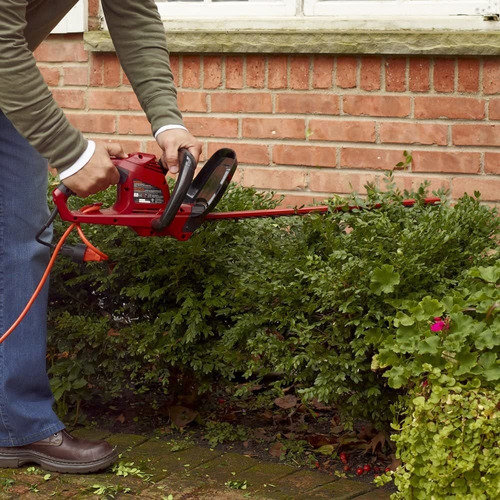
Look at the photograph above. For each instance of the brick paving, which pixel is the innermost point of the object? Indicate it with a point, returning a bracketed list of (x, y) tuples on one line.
[(192, 472)]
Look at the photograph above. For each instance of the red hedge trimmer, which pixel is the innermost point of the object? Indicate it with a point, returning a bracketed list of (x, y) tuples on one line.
[(144, 203)]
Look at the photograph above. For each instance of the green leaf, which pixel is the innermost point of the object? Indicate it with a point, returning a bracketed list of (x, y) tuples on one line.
[(487, 339), (491, 368), (430, 345), (489, 274), (403, 319), (384, 279), (466, 361)]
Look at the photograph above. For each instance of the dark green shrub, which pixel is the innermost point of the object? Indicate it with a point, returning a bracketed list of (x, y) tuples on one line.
[(300, 299)]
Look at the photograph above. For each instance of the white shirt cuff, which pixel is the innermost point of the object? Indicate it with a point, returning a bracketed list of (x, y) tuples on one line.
[(80, 163), (169, 127)]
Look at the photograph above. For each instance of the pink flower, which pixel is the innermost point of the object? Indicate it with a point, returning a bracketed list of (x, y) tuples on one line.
[(438, 326)]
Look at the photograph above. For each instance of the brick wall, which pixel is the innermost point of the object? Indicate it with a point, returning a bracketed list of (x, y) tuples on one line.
[(306, 126)]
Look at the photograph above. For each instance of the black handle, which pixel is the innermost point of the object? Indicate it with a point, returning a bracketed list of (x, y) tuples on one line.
[(67, 191), (187, 166)]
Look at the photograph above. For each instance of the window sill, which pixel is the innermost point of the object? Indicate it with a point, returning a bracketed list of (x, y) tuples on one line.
[(463, 36)]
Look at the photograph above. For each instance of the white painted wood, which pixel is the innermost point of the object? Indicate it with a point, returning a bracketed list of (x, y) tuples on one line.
[(407, 8), (76, 21), (223, 9)]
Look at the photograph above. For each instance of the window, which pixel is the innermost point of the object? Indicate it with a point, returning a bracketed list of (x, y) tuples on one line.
[(75, 21), (189, 9), (223, 9), (407, 8)]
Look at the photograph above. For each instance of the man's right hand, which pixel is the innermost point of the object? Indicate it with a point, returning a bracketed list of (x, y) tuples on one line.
[(99, 173)]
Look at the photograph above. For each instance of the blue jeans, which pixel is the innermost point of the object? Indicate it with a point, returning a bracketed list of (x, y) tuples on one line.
[(26, 400)]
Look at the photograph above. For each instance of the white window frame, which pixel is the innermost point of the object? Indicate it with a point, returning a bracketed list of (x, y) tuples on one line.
[(222, 10), (407, 8), (75, 21)]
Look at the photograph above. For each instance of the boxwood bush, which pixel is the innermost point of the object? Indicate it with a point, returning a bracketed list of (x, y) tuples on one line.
[(301, 299)]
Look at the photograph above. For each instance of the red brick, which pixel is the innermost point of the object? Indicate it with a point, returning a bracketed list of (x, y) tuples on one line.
[(395, 75), (322, 104), (494, 109), (94, 123), (300, 199), (413, 133), (212, 127), (444, 75), (96, 70), (446, 161), (370, 105), (174, 60), (299, 72), (274, 179), (93, 8), (212, 72), (61, 51), (76, 75), (234, 72), (378, 159), (476, 135), (132, 124), (246, 153), (51, 76), (113, 99), (339, 181), (466, 108), (191, 71), (235, 102), (322, 72), (489, 187), (468, 75), (371, 68), (419, 74), (192, 101), (341, 131), (492, 163), (411, 182), (277, 72), (111, 70), (71, 99), (274, 128), (153, 148), (347, 68), (491, 76), (256, 71), (308, 156)]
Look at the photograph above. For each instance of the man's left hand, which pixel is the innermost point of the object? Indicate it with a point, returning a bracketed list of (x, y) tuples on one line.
[(173, 140)]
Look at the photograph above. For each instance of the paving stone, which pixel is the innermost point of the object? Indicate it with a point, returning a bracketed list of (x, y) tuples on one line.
[(126, 442), (376, 494), (300, 481), (92, 434), (342, 489), (261, 475), (225, 467)]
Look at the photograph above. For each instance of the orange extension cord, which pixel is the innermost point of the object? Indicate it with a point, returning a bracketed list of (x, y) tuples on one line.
[(58, 247)]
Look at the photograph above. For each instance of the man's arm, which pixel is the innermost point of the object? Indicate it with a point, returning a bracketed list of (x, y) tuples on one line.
[(25, 98), (139, 38)]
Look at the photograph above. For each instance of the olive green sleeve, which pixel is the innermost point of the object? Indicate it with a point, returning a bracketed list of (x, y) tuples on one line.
[(25, 98), (139, 38)]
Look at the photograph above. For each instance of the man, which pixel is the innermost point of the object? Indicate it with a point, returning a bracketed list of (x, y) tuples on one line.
[(33, 130)]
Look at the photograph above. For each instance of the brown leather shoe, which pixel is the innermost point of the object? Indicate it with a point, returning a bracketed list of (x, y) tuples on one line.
[(61, 452)]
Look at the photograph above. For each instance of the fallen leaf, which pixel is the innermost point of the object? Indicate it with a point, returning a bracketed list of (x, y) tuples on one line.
[(277, 450), (181, 416), (121, 418), (326, 449), (113, 333), (378, 440), (317, 440), (286, 402)]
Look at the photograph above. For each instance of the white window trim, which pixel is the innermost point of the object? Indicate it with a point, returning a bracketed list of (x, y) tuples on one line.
[(76, 21), (407, 8), (222, 10)]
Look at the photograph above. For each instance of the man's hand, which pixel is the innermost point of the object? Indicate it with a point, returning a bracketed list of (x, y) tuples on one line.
[(173, 140), (99, 173)]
